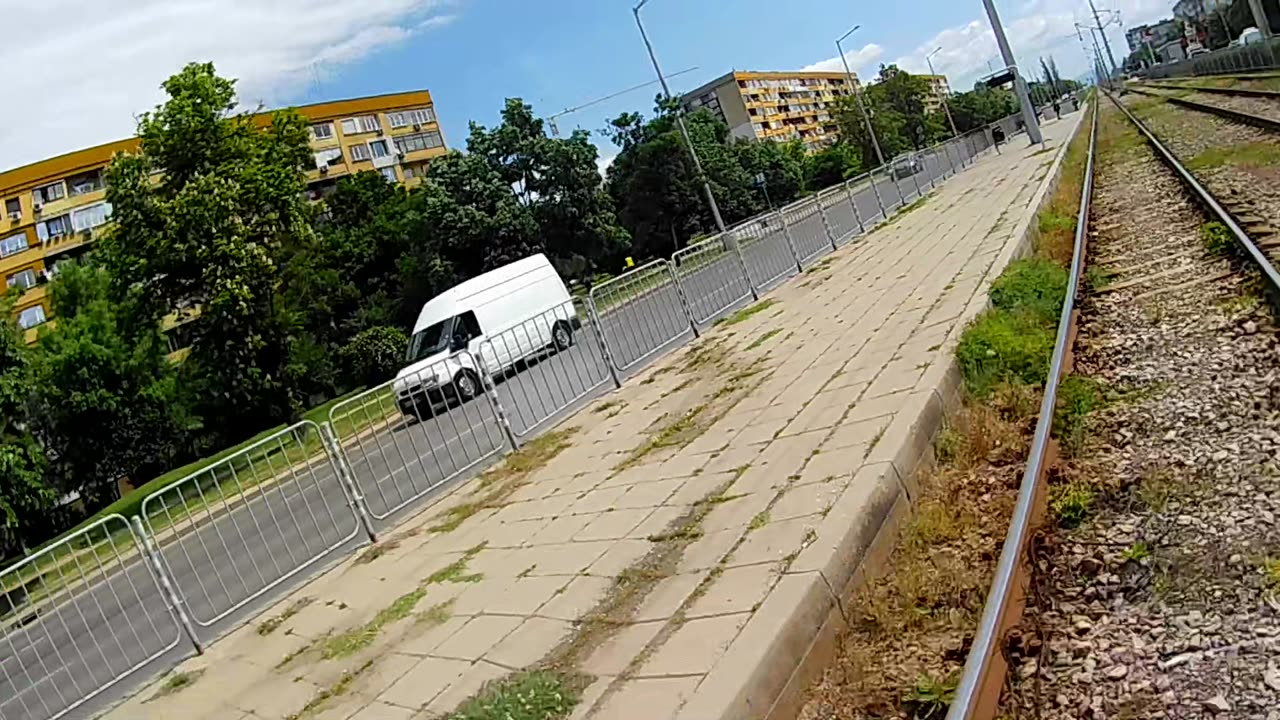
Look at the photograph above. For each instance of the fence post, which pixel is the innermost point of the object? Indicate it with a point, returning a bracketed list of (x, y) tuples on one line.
[(742, 265), (152, 555), (872, 177), (946, 150), (491, 392), (684, 301), (786, 231), (347, 478), (601, 345), (826, 224), (848, 191)]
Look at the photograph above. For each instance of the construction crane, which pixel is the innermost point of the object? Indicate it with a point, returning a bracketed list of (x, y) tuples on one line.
[(551, 119)]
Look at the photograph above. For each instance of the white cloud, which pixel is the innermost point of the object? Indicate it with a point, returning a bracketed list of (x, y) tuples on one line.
[(604, 160), (859, 59), (96, 65)]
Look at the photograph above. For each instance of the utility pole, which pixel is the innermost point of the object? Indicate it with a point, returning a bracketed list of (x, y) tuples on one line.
[(1106, 43), (857, 94), (1260, 18), (1019, 85), (684, 131), (946, 104)]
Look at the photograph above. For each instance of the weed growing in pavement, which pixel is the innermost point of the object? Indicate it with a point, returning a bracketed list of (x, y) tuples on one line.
[(760, 520), (930, 697), (1077, 397), (1001, 346), (764, 338), (907, 210), (819, 266), (608, 405), (1071, 502), (456, 571), (437, 614), (338, 689), (270, 625), (175, 682), (1035, 285), (530, 695), (747, 312), (1245, 155), (1216, 237), (677, 433)]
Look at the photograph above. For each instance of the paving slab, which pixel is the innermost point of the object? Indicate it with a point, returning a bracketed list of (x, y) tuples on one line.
[(686, 551)]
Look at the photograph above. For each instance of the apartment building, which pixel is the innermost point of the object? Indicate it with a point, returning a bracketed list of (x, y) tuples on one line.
[(777, 106), (939, 91), (52, 208)]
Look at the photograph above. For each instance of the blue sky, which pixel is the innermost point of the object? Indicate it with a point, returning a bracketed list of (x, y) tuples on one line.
[(472, 54)]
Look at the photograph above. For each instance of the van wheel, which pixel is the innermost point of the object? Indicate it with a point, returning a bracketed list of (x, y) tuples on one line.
[(562, 335), (467, 385)]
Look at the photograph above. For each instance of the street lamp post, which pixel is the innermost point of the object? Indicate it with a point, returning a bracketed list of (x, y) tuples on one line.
[(1019, 85), (946, 105), (857, 94), (684, 130)]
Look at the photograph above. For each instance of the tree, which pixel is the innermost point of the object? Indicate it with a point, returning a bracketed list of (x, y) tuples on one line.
[(24, 494), (832, 164), (209, 233), (109, 401)]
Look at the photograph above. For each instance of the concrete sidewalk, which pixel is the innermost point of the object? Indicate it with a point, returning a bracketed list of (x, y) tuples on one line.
[(686, 544)]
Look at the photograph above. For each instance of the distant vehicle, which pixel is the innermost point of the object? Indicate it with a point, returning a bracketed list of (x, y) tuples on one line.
[(1194, 49), (525, 302), (905, 165), (1250, 36)]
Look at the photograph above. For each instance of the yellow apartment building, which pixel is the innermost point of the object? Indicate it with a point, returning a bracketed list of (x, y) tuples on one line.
[(52, 208), (939, 90), (777, 106)]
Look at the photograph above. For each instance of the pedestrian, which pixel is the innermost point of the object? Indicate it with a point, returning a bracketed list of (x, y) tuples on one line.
[(1057, 108)]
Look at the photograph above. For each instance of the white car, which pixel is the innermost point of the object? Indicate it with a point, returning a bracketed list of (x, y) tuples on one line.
[(1250, 36), (500, 318)]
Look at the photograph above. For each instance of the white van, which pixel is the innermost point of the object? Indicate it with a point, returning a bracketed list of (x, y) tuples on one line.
[(504, 316)]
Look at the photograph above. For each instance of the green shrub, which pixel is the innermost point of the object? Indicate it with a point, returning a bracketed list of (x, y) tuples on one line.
[(1035, 285), (374, 355), (1077, 398), (1216, 237), (1001, 346)]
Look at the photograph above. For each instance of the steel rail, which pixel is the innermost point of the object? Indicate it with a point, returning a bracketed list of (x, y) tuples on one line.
[(1246, 243), (1222, 112), (973, 697), (1241, 92)]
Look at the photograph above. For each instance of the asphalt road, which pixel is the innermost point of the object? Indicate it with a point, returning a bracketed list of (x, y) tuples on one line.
[(227, 565)]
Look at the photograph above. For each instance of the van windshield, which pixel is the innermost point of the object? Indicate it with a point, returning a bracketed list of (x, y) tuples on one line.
[(431, 340)]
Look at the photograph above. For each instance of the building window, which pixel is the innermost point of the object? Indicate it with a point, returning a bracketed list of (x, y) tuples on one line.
[(85, 183), (362, 124), (328, 157), (322, 131), (360, 152), (389, 173), (408, 171), (12, 208), (378, 148), (420, 116), (53, 228), (31, 317), (24, 279), (90, 217), (13, 244), (419, 141), (49, 193)]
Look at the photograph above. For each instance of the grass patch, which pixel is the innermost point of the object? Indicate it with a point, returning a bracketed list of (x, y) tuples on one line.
[(1070, 503), (177, 682), (1216, 237), (531, 695), (1097, 279), (929, 697), (456, 571), (1247, 155), (764, 338), (609, 405), (677, 433), (1078, 397), (819, 266), (437, 614), (1137, 552), (1004, 347), (270, 625), (746, 313), (760, 520), (338, 689), (908, 209), (1035, 285)]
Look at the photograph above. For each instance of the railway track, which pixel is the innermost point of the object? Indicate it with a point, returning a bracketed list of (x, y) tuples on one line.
[(1246, 107), (1156, 589)]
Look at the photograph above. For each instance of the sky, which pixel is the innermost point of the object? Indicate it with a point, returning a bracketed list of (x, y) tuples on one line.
[(84, 83)]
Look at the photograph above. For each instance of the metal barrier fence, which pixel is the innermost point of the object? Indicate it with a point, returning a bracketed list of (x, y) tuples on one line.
[(1243, 59), (712, 278), (640, 313), (78, 617), (231, 532), (807, 230), (545, 364), (407, 437), (766, 250)]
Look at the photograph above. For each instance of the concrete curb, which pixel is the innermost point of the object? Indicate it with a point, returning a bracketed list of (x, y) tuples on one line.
[(792, 636)]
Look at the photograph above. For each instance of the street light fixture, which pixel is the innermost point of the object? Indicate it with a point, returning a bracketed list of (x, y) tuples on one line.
[(684, 131), (945, 104), (848, 74)]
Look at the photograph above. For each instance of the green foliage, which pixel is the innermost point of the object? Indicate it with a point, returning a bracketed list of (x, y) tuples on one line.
[(528, 695), (1137, 552), (1216, 237), (1070, 503), (1078, 397), (23, 490), (1002, 346), (373, 356), (1033, 285), (930, 697)]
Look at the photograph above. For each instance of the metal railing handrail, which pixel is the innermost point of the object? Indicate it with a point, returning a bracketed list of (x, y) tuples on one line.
[(986, 640)]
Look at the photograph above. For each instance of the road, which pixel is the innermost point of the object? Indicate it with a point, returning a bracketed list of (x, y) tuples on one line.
[(228, 562)]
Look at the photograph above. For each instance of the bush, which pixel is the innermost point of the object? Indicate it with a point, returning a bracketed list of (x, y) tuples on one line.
[(1034, 285), (373, 356), (1077, 397), (1003, 346)]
